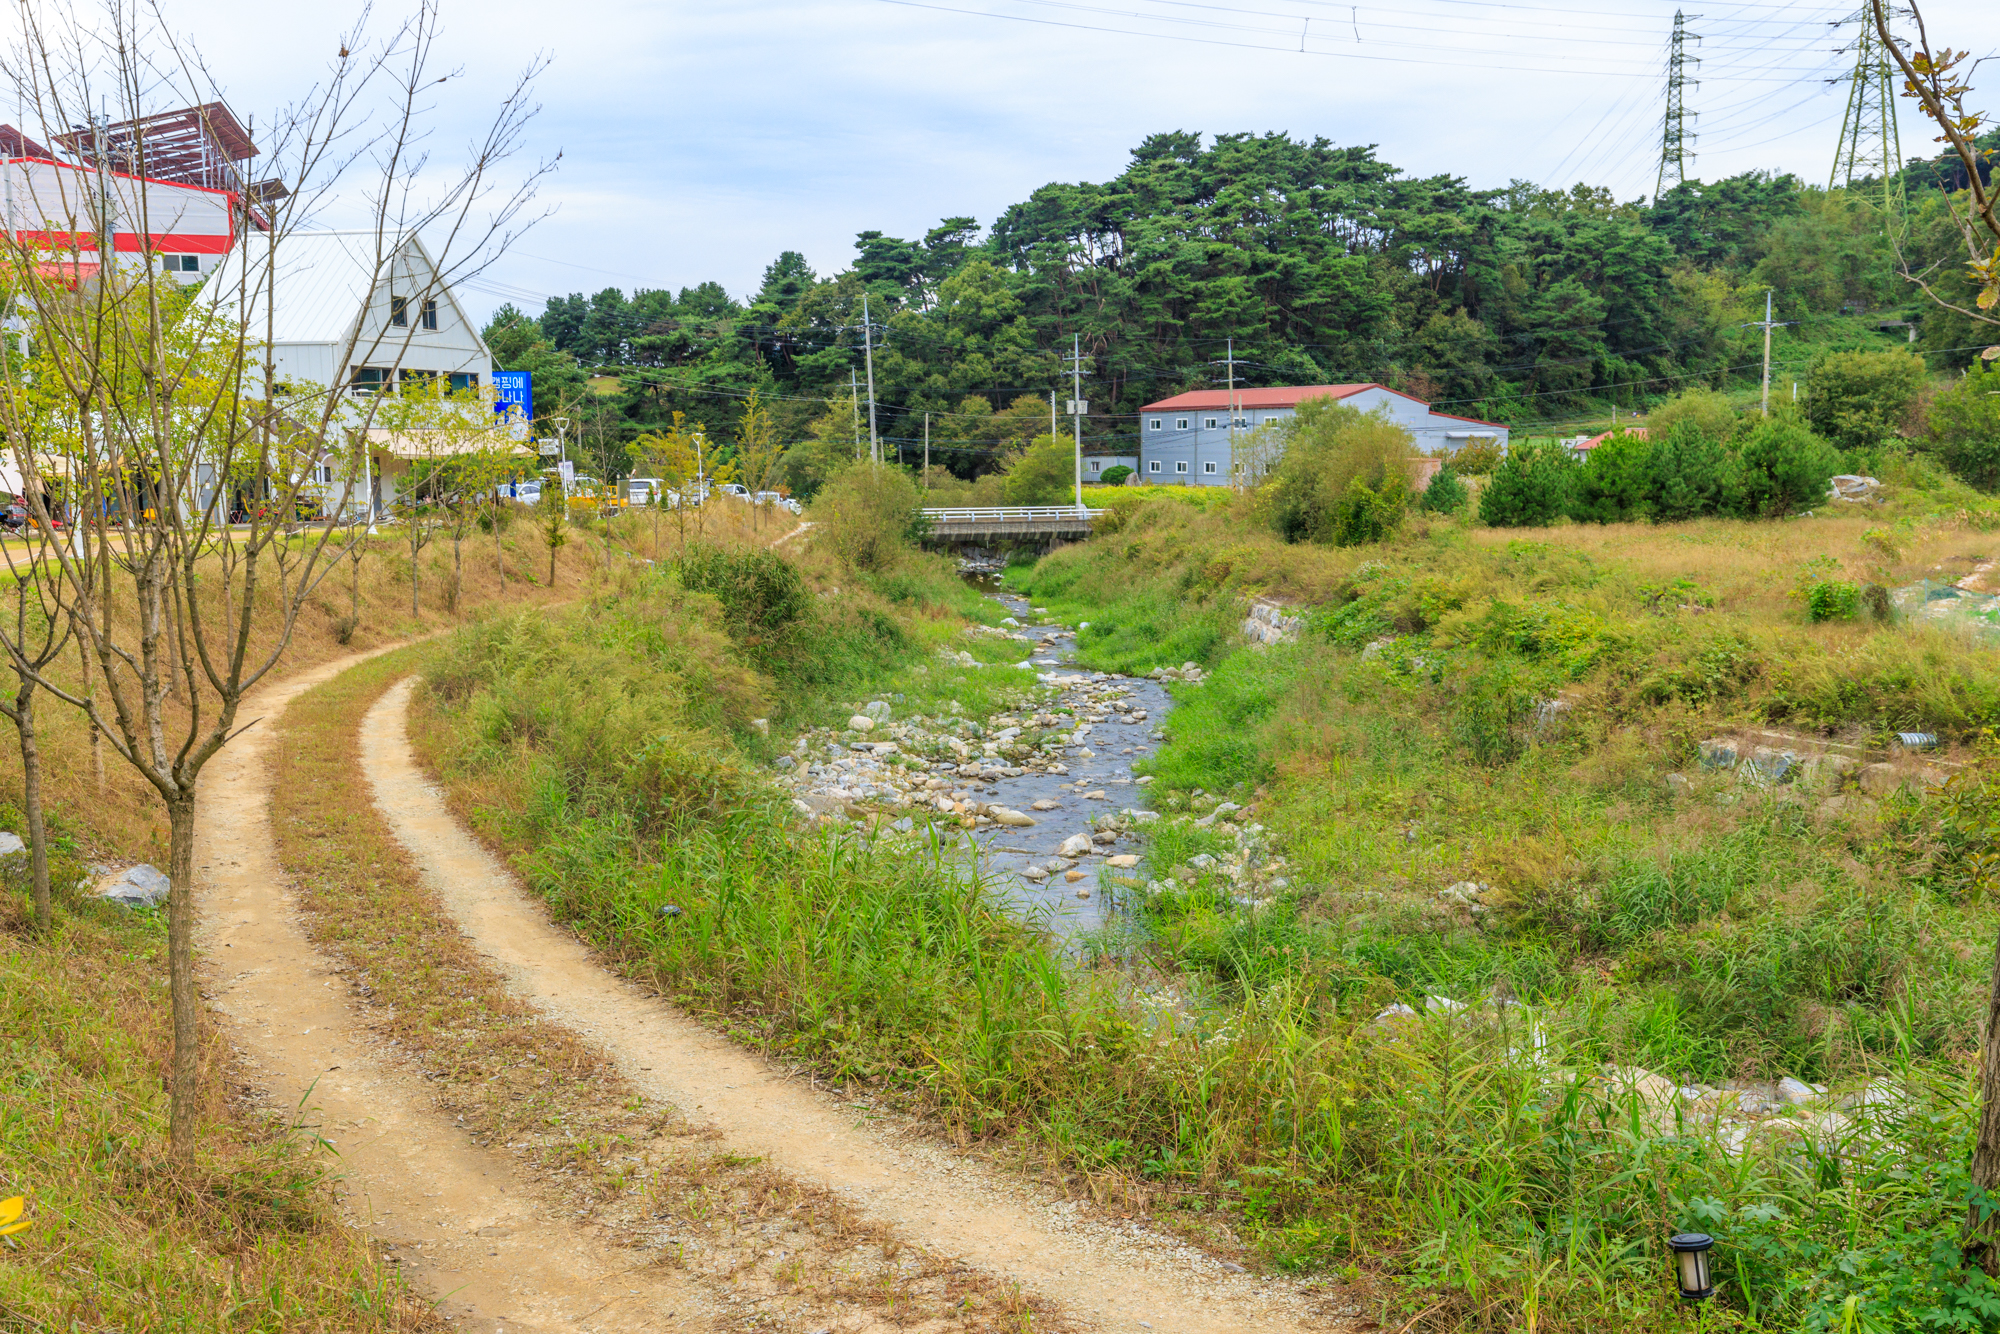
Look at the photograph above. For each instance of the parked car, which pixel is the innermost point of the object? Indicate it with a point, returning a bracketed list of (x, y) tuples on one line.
[(778, 498), (643, 490), (737, 489), (528, 492)]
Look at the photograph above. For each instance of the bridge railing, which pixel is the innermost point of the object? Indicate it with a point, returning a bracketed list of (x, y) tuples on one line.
[(1013, 514)]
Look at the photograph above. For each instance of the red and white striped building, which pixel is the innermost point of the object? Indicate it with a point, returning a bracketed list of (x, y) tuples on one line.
[(173, 185)]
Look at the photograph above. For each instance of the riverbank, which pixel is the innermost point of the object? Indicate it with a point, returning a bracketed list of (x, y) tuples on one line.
[(1580, 821)]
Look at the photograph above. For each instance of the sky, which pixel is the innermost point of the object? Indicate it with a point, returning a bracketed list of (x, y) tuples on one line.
[(698, 140)]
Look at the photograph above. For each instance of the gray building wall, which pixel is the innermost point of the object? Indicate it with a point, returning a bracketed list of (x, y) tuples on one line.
[(1191, 446), (1096, 465)]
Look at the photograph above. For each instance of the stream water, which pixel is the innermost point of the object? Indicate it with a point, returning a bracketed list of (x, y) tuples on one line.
[(1099, 781)]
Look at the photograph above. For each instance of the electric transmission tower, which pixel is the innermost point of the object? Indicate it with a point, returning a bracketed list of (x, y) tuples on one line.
[(1676, 140), (1869, 145)]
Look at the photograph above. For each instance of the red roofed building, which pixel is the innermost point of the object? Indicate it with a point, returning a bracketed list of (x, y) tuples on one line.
[(173, 183), (1193, 439)]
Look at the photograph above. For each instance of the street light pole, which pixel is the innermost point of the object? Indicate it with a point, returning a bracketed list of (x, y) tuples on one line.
[(562, 450)]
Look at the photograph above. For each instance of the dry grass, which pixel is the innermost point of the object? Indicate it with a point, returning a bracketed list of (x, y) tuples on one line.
[(123, 1239), (532, 1088), (246, 1240)]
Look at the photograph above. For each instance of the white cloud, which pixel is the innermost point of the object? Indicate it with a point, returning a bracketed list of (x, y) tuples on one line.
[(699, 140)]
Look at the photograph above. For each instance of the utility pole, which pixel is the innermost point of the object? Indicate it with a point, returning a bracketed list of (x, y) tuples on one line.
[(1077, 407), (1052, 414), (854, 410), (1767, 351), (1674, 134), (927, 451), (868, 351), (1229, 356)]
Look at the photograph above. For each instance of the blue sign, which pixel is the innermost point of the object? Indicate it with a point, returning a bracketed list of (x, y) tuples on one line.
[(516, 390)]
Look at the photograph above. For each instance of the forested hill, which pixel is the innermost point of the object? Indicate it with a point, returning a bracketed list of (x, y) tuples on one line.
[(1314, 262)]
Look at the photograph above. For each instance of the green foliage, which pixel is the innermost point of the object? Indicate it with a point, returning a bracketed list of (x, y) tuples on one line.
[(1614, 485), (1115, 475), (1832, 600), (1531, 488), (870, 515), (1446, 493), (1693, 474), (1858, 399), (1045, 474), (762, 593), (1476, 458), (1783, 468), (1343, 476), (1965, 426), (1708, 411)]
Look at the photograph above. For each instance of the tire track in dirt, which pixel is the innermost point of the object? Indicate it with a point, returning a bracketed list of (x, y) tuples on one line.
[(950, 1204), (482, 1245)]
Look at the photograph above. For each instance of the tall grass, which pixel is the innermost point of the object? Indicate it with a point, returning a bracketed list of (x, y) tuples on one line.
[(1471, 1169)]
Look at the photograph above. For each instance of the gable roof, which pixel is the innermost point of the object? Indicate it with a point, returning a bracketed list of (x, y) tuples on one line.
[(1290, 396), (1283, 396), (323, 281)]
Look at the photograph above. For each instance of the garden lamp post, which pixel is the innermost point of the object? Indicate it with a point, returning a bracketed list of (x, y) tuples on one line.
[(562, 448), (1691, 1264)]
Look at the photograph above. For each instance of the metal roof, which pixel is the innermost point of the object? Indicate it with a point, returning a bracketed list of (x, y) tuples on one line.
[(1284, 396), (1290, 396), (322, 282)]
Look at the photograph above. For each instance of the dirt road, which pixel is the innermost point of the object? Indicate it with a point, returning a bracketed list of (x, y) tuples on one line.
[(465, 1228), (1105, 1276)]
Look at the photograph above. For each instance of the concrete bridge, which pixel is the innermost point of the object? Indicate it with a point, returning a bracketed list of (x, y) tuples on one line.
[(1012, 523)]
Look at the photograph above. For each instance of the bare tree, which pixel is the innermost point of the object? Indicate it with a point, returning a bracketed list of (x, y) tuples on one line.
[(38, 635), (1939, 85), (164, 408)]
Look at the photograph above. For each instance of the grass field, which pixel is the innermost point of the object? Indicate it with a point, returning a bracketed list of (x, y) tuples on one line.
[(246, 1240)]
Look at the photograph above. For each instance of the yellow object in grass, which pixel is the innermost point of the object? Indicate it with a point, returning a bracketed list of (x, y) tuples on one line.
[(10, 1216)]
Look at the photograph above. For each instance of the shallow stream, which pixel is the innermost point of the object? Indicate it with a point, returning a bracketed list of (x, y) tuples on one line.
[(1099, 780)]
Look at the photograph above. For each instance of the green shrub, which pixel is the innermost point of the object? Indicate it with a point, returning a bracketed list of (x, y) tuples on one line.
[(1446, 494), (1783, 468), (1115, 475), (1858, 399), (1832, 600), (1965, 427), (1044, 473), (869, 514), (1342, 477), (1692, 474), (1477, 457), (1531, 487), (1707, 411), (1615, 483), (761, 592)]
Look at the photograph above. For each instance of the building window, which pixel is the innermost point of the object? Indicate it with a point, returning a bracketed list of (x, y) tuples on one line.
[(1181, 466), (1210, 422), (181, 263), (1180, 423), (430, 316), (368, 379), (461, 380), (1156, 424), (1208, 468), (1154, 466), (399, 312), (1097, 465)]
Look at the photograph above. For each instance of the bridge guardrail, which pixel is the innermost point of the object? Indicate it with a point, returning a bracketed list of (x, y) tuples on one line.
[(1012, 514)]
